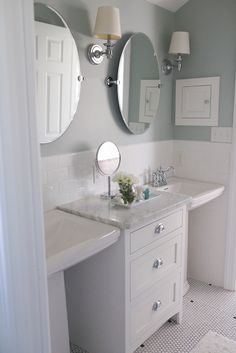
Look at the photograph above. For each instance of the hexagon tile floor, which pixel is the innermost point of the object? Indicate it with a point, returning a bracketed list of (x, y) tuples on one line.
[(205, 308)]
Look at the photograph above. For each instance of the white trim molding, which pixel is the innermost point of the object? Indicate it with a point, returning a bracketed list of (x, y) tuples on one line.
[(24, 318), (171, 5), (230, 252)]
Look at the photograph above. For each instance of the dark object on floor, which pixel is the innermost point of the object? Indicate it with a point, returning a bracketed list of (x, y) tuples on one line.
[(213, 309), (75, 349)]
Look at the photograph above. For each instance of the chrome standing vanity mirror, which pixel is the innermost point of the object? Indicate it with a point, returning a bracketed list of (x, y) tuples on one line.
[(58, 75), (138, 83), (107, 162)]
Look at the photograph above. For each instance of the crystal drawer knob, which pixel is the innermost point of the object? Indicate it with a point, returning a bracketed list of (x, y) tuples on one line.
[(159, 228), (158, 263), (156, 305), (81, 78)]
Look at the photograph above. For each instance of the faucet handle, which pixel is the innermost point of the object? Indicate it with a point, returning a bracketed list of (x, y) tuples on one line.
[(161, 170), (160, 175), (171, 168)]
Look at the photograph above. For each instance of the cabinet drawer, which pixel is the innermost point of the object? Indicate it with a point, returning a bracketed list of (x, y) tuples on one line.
[(147, 269), (155, 230), (150, 310)]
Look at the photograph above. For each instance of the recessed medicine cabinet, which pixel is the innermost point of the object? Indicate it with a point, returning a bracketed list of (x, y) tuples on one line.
[(197, 101)]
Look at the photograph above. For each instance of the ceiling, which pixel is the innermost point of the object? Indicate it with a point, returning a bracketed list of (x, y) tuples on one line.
[(171, 5)]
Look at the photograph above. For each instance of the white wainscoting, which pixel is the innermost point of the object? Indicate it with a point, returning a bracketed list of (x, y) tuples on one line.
[(208, 224)]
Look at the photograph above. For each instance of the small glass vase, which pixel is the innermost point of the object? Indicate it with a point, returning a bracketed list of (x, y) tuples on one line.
[(127, 192)]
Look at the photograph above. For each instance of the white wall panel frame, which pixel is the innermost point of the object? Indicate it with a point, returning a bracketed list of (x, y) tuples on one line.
[(197, 101)]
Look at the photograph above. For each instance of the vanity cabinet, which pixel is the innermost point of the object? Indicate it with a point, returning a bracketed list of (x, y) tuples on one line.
[(155, 275), (121, 296)]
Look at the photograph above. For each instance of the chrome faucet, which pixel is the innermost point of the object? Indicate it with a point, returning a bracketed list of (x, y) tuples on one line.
[(160, 176)]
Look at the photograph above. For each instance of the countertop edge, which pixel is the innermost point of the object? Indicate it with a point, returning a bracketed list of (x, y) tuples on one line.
[(127, 225)]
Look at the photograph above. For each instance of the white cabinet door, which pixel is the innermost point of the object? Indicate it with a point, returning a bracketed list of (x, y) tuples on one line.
[(147, 269), (151, 310), (149, 100), (55, 65), (197, 101)]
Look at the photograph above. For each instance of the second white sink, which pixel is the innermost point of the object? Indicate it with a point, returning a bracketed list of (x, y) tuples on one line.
[(200, 192), (71, 239)]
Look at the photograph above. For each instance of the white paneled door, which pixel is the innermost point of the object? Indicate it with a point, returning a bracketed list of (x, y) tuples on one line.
[(56, 81)]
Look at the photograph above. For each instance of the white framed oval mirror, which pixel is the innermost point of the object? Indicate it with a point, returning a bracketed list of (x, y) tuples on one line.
[(139, 85), (58, 74)]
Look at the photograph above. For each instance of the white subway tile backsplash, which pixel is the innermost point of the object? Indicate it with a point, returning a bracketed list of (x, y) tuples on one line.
[(204, 161), (69, 186), (69, 177), (50, 163), (44, 177), (65, 160), (50, 196), (57, 175)]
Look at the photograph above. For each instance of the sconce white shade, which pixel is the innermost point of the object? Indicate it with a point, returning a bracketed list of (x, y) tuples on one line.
[(179, 43), (107, 23)]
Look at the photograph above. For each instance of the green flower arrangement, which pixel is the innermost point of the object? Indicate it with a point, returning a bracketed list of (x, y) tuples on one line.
[(126, 186)]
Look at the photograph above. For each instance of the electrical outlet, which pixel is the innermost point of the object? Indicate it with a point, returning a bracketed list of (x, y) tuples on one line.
[(221, 134), (179, 159)]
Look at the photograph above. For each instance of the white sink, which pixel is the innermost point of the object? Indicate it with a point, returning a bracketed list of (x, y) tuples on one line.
[(71, 239), (200, 192)]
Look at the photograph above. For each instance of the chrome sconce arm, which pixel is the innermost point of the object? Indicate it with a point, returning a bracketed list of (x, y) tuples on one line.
[(109, 82), (168, 66), (96, 54)]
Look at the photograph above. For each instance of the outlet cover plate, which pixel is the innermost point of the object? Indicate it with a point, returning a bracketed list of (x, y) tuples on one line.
[(221, 134)]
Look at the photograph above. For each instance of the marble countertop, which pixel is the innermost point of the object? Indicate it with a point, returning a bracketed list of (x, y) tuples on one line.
[(102, 210)]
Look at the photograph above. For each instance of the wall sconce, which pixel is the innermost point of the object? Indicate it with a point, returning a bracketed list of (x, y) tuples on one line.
[(179, 45), (107, 27)]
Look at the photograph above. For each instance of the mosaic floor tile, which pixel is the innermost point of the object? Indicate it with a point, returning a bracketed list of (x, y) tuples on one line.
[(206, 308)]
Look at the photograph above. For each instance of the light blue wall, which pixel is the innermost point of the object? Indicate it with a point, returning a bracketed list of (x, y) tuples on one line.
[(144, 66), (212, 27), (98, 117)]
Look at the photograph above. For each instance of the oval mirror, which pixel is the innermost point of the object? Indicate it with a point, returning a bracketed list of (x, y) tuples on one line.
[(58, 76), (108, 158), (107, 162), (138, 83)]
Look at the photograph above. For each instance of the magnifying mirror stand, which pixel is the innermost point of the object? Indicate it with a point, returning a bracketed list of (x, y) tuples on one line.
[(108, 194)]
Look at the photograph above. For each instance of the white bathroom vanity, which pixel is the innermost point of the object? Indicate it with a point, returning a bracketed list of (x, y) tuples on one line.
[(117, 298), (125, 268)]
